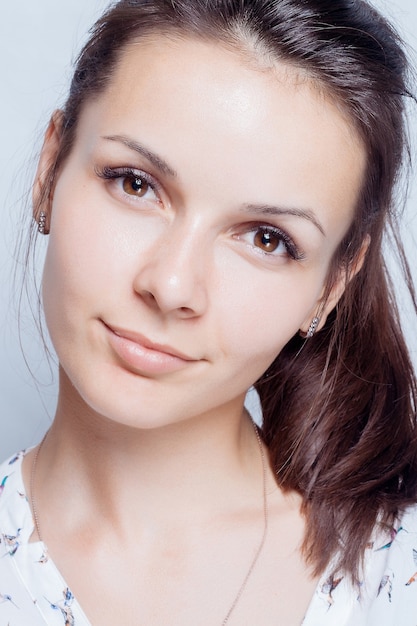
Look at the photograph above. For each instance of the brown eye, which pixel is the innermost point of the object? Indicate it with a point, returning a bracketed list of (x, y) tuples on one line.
[(267, 241), (270, 242), (135, 186)]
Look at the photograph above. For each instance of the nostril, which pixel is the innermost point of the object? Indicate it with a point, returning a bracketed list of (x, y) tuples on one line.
[(148, 297)]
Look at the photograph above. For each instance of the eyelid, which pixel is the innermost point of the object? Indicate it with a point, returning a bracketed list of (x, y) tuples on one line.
[(114, 173)]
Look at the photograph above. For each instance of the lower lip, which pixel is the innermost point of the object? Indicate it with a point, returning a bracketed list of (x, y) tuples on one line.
[(144, 360)]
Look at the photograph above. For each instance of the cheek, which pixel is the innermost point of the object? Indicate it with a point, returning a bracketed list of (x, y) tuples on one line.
[(82, 243), (260, 314), (76, 269), (64, 284)]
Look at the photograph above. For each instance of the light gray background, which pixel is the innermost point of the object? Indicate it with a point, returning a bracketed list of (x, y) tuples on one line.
[(38, 41)]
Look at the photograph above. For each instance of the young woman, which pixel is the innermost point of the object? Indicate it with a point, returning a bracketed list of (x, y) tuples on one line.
[(215, 192)]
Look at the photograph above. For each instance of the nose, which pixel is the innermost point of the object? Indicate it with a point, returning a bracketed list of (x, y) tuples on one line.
[(173, 273)]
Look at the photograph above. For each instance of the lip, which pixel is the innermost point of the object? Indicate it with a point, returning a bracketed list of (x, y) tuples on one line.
[(145, 356)]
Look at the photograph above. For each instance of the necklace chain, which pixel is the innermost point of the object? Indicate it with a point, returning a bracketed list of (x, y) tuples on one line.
[(32, 487), (264, 528), (264, 531)]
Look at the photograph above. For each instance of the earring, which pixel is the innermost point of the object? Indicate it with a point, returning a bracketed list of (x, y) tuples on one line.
[(313, 327), (42, 223)]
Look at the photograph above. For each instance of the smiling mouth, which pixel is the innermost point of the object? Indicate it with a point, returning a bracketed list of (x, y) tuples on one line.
[(144, 356)]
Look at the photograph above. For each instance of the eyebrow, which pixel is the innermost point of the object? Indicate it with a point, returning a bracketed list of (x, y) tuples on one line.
[(259, 209), (266, 209), (153, 158)]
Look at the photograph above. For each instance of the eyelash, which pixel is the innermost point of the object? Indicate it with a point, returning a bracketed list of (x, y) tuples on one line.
[(290, 246), (113, 174), (110, 173)]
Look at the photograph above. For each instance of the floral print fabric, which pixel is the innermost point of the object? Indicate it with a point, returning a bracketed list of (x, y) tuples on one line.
[(32, 591), (387, 593)]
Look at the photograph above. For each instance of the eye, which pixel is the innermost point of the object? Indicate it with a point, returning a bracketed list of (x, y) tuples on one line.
[(271, 241), (132, 183), (135, 186), (268, 241)]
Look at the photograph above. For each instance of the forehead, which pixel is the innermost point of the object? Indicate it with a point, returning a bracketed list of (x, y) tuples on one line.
[(201, 104)]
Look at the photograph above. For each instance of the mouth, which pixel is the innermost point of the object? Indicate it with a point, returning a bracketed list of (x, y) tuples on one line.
[(144, 356)]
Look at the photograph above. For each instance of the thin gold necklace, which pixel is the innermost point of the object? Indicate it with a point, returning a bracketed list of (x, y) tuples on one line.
[(264, 528)]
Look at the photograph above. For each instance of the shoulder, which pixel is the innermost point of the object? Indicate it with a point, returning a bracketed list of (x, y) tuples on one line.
[(18, 558), (408, 519), (402, 552), (11, 474), (399, 540), (386, 594), (15, 515), (391, 573)]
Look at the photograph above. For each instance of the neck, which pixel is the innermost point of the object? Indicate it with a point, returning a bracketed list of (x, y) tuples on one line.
[(194, 468)]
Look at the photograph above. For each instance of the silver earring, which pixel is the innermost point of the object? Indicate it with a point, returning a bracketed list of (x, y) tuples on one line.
[(313, 327), (42, 223)]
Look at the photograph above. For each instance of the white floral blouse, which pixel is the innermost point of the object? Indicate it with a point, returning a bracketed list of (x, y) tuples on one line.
[(33, 592)]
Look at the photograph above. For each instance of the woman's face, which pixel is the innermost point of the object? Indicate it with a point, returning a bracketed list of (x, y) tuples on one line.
[(192, 227)]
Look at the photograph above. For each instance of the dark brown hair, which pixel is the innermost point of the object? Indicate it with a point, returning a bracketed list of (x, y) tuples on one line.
[(339, 409)]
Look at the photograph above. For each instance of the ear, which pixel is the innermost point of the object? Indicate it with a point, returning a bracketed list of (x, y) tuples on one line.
[(43, 184), (327, 302)]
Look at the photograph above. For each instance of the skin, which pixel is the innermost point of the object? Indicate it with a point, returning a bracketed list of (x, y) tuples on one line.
[(159, 449)]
